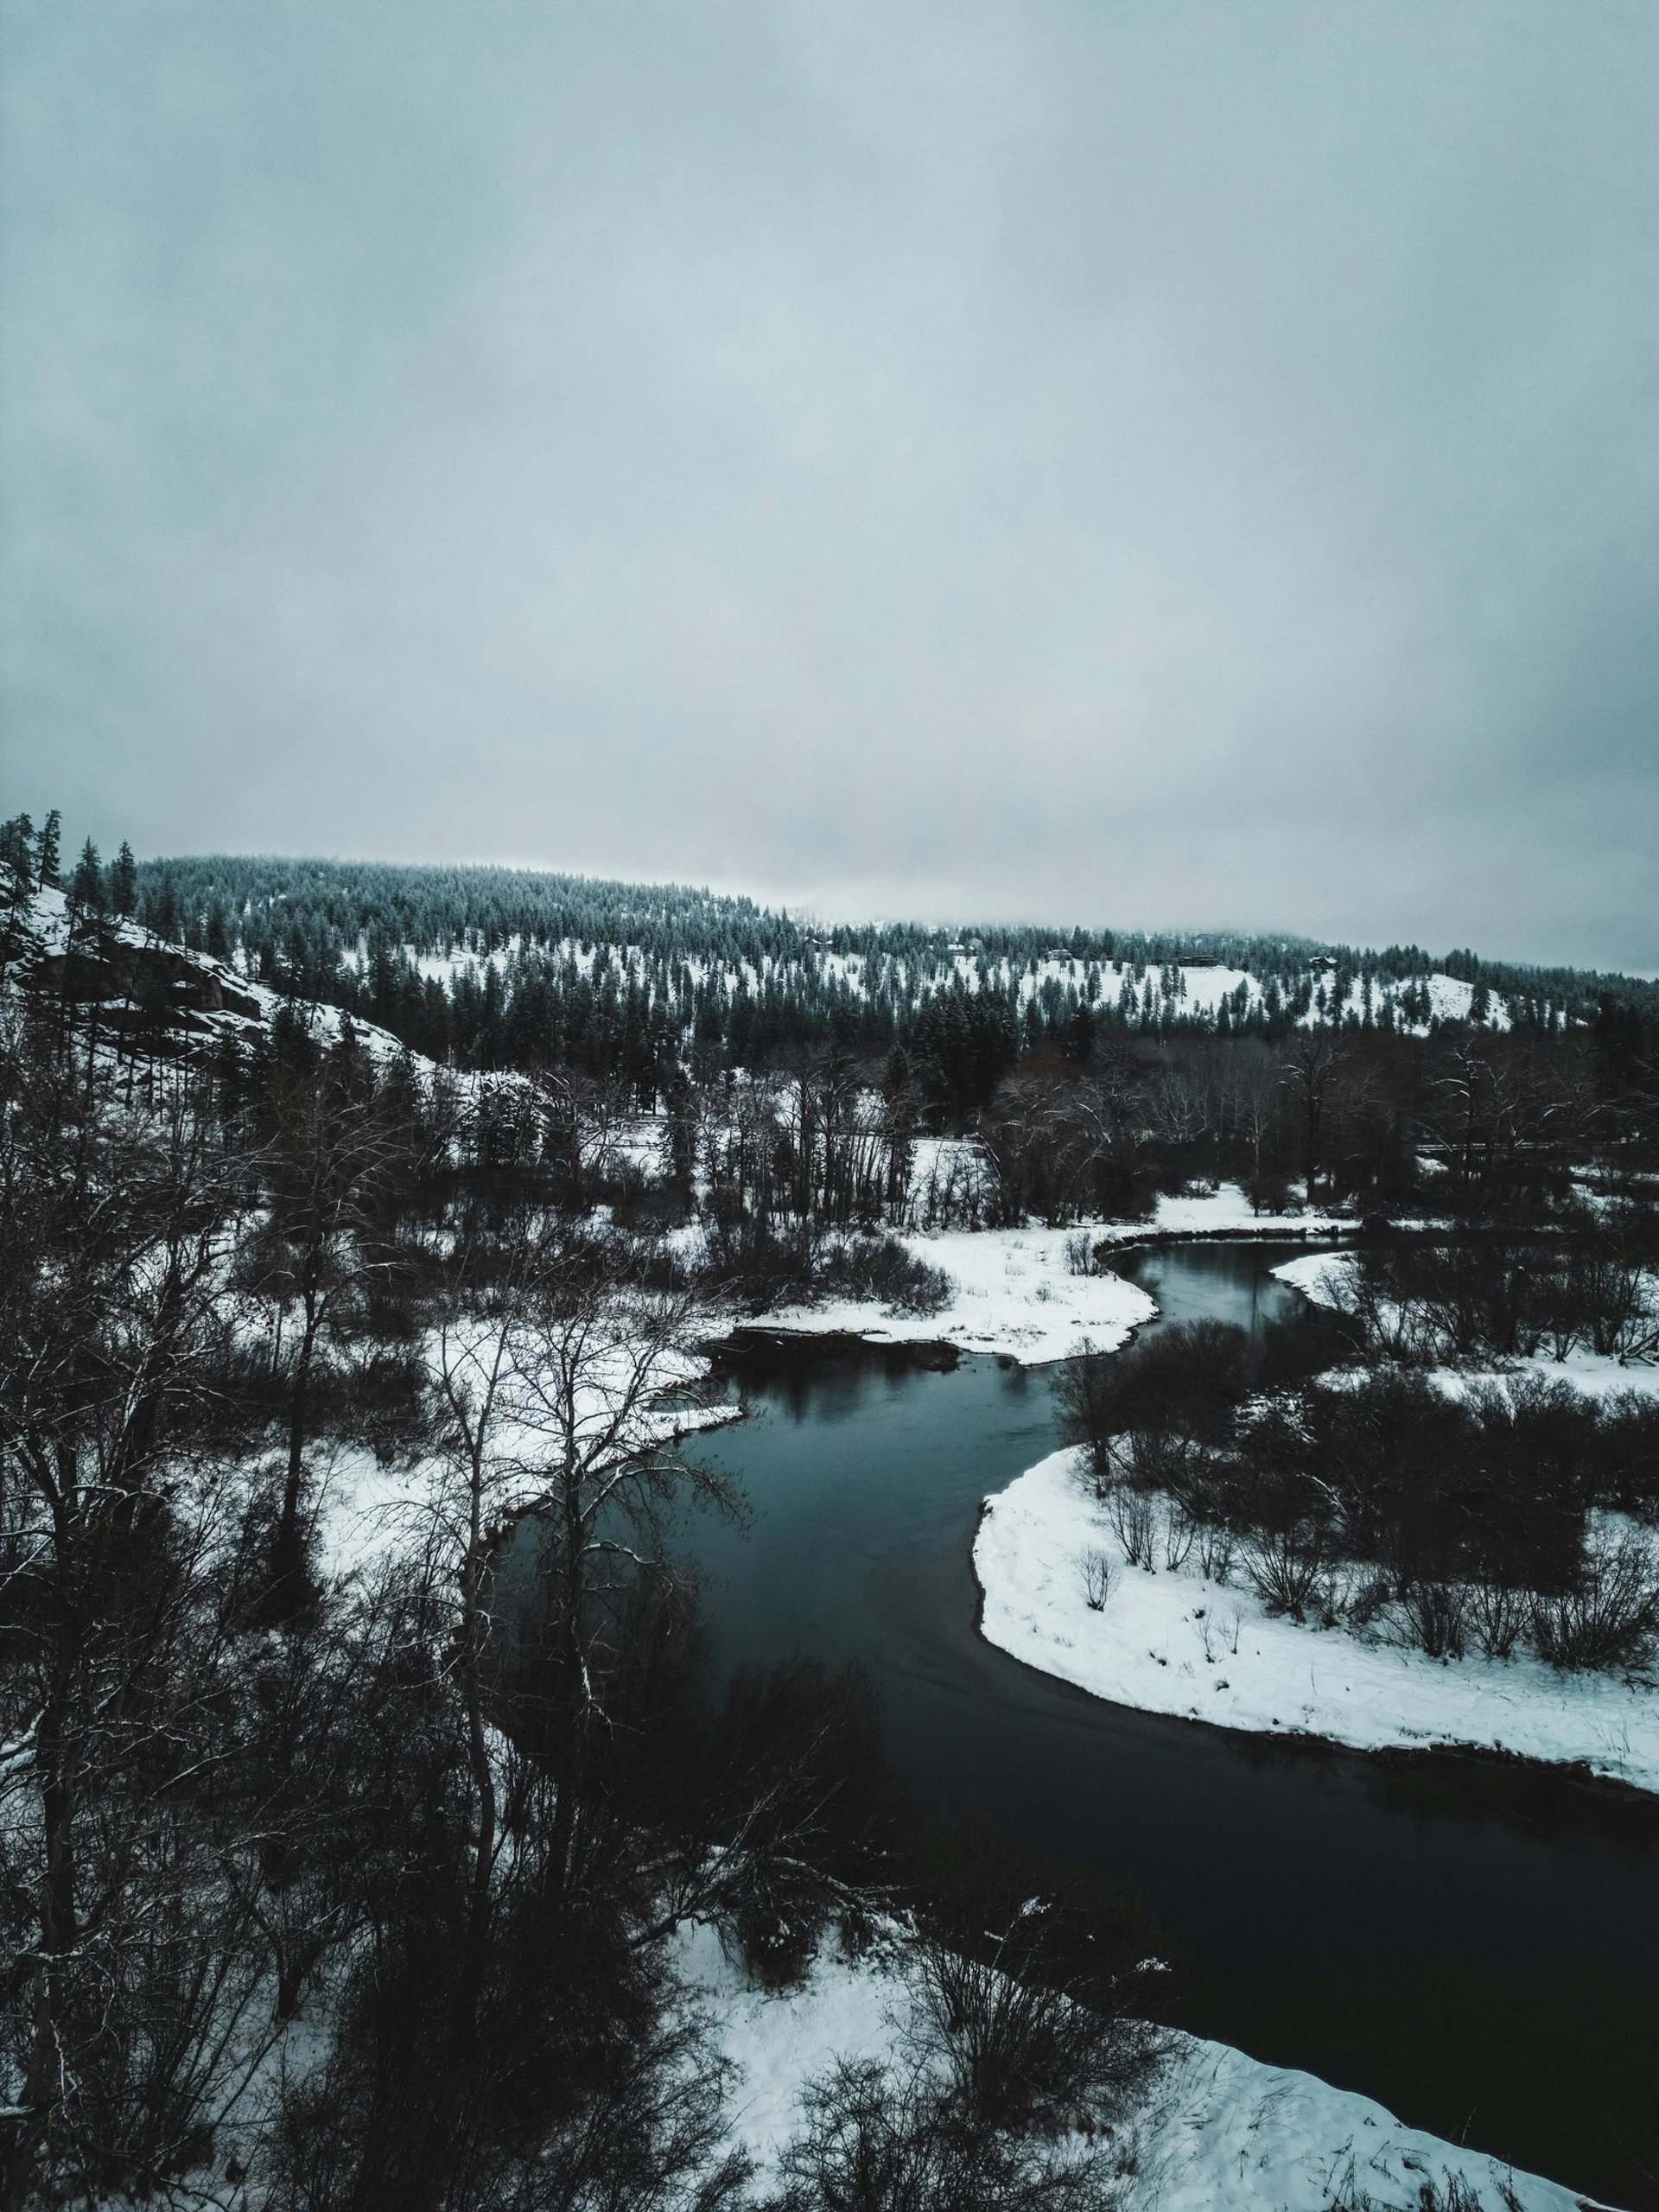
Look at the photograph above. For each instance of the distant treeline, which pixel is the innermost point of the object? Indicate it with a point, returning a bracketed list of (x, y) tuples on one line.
[(490, 968), (617, 976)]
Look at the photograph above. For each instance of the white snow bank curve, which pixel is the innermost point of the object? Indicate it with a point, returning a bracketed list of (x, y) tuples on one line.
[(1172, 1642)]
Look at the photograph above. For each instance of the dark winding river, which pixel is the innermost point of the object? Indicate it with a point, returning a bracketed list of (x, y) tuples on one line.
[(1476, 1946)]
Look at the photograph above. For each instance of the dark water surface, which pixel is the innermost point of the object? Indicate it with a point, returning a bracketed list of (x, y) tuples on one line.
[(1476, 1947)]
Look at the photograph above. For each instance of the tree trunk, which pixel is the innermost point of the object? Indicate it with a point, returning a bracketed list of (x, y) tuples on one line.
[(288, 1531), (56, 1918), (570, 1718)]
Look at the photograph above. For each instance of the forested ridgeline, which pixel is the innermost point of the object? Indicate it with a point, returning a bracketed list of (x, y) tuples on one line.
[(1076, 1117), (498, 968)]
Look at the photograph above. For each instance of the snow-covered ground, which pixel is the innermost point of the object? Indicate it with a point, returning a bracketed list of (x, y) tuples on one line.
[(1012, 1291), (1172, 1642), (1217, 2129), (1224, 1211), (215, 999), (364, 1512), (1328, 1279)]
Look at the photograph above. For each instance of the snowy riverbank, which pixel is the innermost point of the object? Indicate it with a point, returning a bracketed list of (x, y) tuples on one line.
[(1012, 1291), (1172, 1642), (364, 1510), (1218, 2128), (1331, 1279), (1224, 1211)]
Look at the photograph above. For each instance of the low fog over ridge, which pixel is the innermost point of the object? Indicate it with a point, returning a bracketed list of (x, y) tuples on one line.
[(1193, 466)]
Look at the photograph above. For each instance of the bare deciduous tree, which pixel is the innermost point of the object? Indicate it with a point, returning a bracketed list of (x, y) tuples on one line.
[(328, 1159)]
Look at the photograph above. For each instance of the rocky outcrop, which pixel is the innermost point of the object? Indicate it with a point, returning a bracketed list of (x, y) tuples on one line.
[(151, 975), (151, 992), (139, 981)]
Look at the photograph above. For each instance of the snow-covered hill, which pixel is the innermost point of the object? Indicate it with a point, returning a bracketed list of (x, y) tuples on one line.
[(148, 988), (1132, 992)]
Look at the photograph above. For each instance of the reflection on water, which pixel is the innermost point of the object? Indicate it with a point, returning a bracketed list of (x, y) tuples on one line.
[(1477, 1946), (1214, 1282)]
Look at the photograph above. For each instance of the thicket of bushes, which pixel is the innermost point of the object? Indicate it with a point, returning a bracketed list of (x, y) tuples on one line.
[(1591, 1284), (765, 1264), (1460, 1518)]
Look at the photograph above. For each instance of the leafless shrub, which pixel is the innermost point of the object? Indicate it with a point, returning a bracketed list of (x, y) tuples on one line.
[(1135, 1516), (1217, 1633), (1366, 1599), (1080, 1254), (1434, 1616), (1162, 1459), (1607, 1288), (1180, 1534), (1608, 1615), (760, 1264), (1497, 1617), (880, 1266), (1334, 1591), (1021, 2050), (1218, 1550), (1084, 1395), (875, 2138), (1099, 1572), (1285, 1567)]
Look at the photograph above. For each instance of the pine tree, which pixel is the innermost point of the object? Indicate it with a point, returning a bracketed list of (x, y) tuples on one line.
[(163, 909), (87, 889), (17, 837), (47, 850)]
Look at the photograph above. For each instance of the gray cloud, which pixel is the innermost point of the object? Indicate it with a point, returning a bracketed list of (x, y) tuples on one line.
[(1160, 463)]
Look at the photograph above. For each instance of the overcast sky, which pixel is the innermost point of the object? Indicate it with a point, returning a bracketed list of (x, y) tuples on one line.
[(1159, 464)]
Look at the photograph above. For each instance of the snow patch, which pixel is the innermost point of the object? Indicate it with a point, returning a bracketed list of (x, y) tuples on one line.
[(1012, 1292), (1217, 2129), (1174, 1643)]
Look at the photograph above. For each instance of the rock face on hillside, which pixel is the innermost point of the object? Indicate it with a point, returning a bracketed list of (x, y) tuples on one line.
[(138, 979), (146, 992), (151, 974)]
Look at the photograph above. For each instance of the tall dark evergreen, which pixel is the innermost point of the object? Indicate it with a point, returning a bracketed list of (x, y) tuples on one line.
[(47, 853), (17, 845), (87, 888), (123, 882)]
